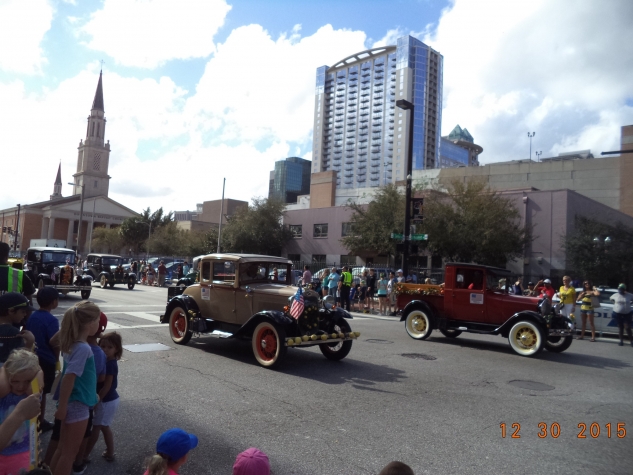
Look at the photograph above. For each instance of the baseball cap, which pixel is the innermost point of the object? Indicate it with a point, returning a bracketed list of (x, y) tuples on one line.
[(175, 443), (252, 462), (12, 300), (530, 283), (399, 270), (103, 323), (622, 286), (547, 281)]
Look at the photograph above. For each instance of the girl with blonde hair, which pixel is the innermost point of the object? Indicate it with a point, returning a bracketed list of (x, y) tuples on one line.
[(20, 369), (78, 391)]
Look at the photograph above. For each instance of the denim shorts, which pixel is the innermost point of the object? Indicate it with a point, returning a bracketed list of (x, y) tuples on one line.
[(622, 318), (105, 411), (586, 312)]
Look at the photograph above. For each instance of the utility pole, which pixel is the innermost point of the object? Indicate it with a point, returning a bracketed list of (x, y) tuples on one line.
[(17, 231), (221, 215)]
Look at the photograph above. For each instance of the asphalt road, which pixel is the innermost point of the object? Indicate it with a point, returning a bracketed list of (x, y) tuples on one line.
[(436, 405)]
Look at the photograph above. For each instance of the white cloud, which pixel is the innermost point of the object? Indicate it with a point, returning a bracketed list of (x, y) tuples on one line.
[(22, 28), (147, 33), (561, 69)]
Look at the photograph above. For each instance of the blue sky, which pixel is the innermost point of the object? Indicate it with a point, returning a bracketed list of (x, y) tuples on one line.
[(198, 90)]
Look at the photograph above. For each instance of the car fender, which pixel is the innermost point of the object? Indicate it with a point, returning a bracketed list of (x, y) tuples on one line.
[(273, 316), (130, 275), (186, 301), (337, 313), (46, 278), (534, 317), (419, 305)]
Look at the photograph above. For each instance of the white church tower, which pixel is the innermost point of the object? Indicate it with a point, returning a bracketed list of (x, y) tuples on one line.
[(94, 156)]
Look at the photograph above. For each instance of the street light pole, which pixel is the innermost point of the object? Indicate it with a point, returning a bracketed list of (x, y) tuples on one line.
[(406, 105), (538, 155), (221, 215), (92, 226), (17, 231), (531, 135), (81, 215)]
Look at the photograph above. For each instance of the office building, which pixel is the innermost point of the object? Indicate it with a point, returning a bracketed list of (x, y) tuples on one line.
[(459, 149), (359, 132), (289, 179)]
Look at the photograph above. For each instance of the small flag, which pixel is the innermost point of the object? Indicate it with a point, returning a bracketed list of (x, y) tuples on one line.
[(296, 309)]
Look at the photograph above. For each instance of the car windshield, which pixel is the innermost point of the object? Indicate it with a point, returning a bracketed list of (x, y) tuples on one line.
[(498, 281), (259, 272), (111, 261), (57, 257)]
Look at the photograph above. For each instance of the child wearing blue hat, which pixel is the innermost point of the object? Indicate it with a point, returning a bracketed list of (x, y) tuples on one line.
[(171, 452)]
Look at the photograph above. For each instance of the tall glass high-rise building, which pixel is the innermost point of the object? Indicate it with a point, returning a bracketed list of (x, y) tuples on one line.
[(358, 130), (289, 179)]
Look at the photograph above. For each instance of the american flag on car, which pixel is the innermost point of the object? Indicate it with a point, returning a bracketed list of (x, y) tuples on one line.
[(296, 309)]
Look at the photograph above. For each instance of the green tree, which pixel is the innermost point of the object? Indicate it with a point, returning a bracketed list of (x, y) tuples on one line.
[(604, 263), (471, 223), (135, 231), (256, 229), (107, 240), (373, 224)]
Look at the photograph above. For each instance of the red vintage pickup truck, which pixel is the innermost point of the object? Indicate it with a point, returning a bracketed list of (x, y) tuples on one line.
[(475, 299)]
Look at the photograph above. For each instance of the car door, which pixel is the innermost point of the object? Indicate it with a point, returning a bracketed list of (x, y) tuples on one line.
[(466, 300)]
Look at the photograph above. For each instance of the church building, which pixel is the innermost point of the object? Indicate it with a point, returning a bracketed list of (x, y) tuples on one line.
[(88, 207)]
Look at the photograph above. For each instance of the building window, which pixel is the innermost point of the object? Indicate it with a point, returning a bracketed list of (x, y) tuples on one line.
[(296, 230), (346, 229), (347, 260), (93, 129), (320, 230), (318, 259), (294, 257), (96, 184)]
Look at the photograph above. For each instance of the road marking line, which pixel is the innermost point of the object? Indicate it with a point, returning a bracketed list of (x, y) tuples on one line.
[(145, 316), (116, 326)]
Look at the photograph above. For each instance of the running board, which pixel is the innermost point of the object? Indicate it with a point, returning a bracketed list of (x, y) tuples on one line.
[(220, 334)]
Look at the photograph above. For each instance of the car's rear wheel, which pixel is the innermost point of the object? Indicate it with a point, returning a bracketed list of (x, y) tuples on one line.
[(448, 333), (85, 294), (112, 284), (130, 284), (526, 338), (179, 327), (339, 350), (418, 324), (103, 282), (558, 344), (269, 344), (40, 284)]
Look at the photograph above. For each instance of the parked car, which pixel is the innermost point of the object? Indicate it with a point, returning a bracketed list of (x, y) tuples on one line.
[(474, 299), (54, 267), (108, 269), (602, 318), (234, 298)]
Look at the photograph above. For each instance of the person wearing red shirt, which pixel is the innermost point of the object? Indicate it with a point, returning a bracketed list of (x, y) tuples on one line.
[(544, 287)]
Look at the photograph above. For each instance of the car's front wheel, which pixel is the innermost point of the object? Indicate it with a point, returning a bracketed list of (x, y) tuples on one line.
[(558, 344), (130, 284), (526, 338), (85, 294), (419, 324), (179, 327), (339, 350), (103, 282), (269, 345)]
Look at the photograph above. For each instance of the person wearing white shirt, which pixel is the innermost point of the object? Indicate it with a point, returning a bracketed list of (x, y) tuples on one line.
[(622, 312)]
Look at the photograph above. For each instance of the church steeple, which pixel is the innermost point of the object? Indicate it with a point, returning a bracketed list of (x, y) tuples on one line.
[(57, 188), (94, 154), (97, 103)]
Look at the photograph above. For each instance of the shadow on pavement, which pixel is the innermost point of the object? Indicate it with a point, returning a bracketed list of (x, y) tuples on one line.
[(307, 364), (568, 357)]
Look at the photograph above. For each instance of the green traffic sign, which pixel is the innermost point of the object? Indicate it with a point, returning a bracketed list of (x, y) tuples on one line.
[(396, 236), (419, 237)]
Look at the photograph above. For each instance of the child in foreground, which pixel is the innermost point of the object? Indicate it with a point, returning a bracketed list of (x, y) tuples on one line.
[(112, 346), (14, 308), (172, 449), (251, 462), (77, 392), (16, 375)]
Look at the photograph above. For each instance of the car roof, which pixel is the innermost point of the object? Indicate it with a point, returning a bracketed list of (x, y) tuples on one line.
[(58, 249), (248, 258), (478, 266), (104, 255)]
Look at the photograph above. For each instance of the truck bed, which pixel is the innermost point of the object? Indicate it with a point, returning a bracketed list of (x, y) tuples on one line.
[(432, 294)]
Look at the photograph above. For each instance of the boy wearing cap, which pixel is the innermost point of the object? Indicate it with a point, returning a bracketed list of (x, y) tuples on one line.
[(544, 287), (44, 326), (251, 462), (622, 312), (14, 309), (172, 449)]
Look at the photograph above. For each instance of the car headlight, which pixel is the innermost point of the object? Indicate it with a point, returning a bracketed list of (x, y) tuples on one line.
[(57, 270), (545, 306)]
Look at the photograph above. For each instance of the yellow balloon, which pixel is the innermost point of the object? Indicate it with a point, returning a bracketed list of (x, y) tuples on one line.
[(305, 337), (357, 334), (298, 340), (334, 335), (290, 342), (323, 337), (313, 337), (341, 335)]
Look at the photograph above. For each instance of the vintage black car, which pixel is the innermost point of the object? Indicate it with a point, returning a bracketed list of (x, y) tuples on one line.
[(107, 269), (55, 267)]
